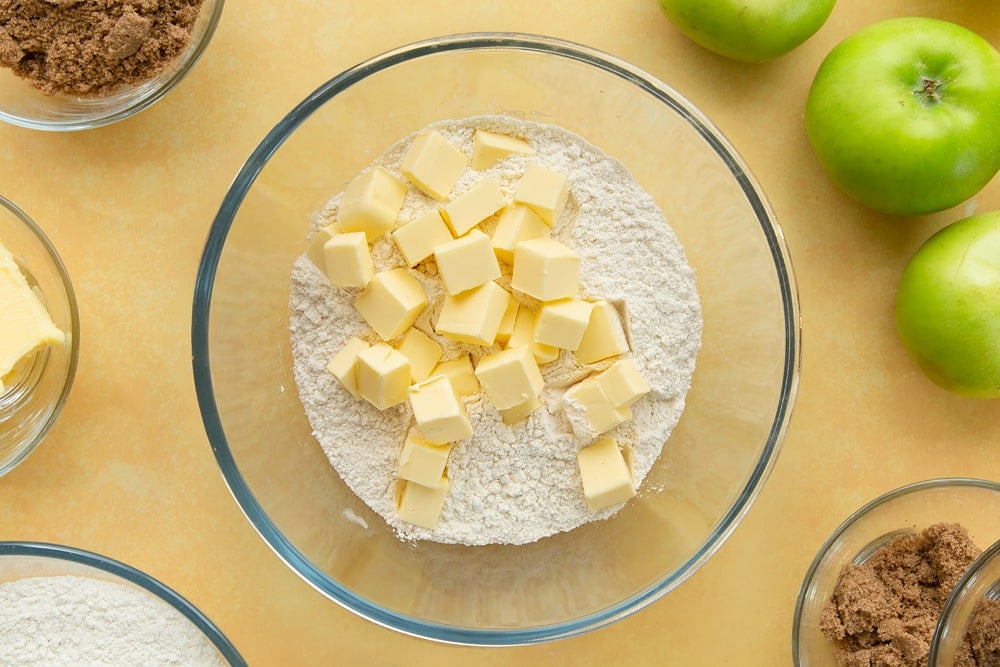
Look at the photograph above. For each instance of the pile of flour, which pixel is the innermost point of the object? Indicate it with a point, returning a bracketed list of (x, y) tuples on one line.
[(80, 621), (511, 484)]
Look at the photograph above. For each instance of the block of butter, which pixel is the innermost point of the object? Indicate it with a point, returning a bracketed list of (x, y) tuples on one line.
[(604, 337), (589, 411), (523, 335), (516, 224), (416, 239), (562, 323), (544, 191), (433, 165), (507, 323), (344, 365), (606, 477), (316, 251), (348, 261), (510, 377), (383, 376), (466, 262), (461, 374), (439, 413), (473, 316), (473, 206), (520, 412), (421, 505), (25, 324), (623, 384), (421, 461), (391, 302), (546, 269), (370, 203), (422, 351), (488, 148)]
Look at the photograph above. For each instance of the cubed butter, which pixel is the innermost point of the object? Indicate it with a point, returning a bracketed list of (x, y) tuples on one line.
[(488, 148), (604, 337), (438, 411), (422, 351), (370, 203), (391, 302), (474, 315), (473, 206), (461, 374), (546, 269), (516, 224), (421, 461), (344, 365), (523, 335), (520, 412), (562, 323), (416, 239), (589, 411), (383, 376), (433, 165), (510, 377), (25, 324), (421, 505), (316, 251), (605, 474), (507, 323), (466, 262), (348, 262), (544, 191), (622, 383)]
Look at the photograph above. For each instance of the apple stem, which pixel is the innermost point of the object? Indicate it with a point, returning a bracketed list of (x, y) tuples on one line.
[(929, 92)]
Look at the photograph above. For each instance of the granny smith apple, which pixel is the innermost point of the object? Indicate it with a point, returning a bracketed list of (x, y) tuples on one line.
[(904, 115), (753, 31), (948, 306)]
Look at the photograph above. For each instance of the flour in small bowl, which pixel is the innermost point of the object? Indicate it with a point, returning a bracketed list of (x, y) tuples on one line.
[(520, 483)]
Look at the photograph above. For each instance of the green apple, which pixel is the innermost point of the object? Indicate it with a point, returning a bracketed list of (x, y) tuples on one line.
[(948, 306), (904, 115), (753, 31)]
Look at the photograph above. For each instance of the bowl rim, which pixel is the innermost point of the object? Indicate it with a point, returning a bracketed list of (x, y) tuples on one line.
[(73, 353), (135, 576), (956, 596), (848, 523), (215, 242), (140, 103)]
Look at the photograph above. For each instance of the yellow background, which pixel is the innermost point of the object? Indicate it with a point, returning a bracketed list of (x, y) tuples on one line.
[(128, 472)]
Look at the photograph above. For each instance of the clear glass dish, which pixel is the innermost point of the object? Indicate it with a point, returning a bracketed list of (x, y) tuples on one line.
[(711, 469), (24, 105), (981, 582), (20, 560), (30, 405)]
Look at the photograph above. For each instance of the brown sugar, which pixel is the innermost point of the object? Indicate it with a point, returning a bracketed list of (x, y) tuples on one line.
[(884, 611), (981, 645), (90, 48)]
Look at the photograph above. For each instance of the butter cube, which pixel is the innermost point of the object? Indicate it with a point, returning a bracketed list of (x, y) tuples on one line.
[(461, 374), (433, 165), (421, 505), (510, 377), (466, 262), (344, 365), (391, 302), (622, 383), (348, 262), (589, 411), (25, 327), (516, 224), (383, 376), (370, 203), (562, 323), (605, 474), (421, 461), (422, 351), (488, 148), (546, 269), (604, 337), (520, 412), (543, 191), (473, 206), (316, 251), (439, 413), (474, 315), (416, 239), (523, 335), (507, 323)]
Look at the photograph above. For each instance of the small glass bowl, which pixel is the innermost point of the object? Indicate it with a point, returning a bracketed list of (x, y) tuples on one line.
[(20, 560), (980, 582), (30, 404), (24, 105), (973, 503)]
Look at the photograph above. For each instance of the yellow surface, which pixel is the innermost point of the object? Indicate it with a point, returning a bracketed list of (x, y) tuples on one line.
[(128, 472)]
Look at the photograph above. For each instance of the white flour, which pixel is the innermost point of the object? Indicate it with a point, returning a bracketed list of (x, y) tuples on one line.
[(512, 484), (84, 622)]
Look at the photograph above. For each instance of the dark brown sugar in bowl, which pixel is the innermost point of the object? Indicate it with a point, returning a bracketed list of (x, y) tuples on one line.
[(91, 48)]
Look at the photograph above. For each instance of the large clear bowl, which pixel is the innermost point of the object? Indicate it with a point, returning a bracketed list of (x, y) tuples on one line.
[(715, 462)]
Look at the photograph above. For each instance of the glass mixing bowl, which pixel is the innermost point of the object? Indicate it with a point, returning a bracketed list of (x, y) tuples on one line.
[(21, 560), (715, 462), (24, 105), (980, 582), (30, 404)]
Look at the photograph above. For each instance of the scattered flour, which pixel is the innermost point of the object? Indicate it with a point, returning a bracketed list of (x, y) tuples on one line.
[(512, 484), (81, 622)]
